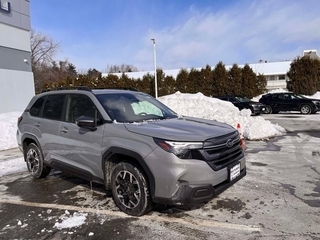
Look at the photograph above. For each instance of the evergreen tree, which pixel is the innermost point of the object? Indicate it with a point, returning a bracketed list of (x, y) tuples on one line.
[(182, 81), (169, 83), (194, 81), (261, 84), (206, 75), (146, 84), (304, 75), (235, 80), (160, 82), (220, 83), (249, 82)]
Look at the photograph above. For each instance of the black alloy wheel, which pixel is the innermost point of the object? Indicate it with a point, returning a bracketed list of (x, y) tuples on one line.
[(34, 160), (130, 189)]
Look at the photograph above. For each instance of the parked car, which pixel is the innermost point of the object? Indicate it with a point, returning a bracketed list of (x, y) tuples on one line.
[(245, 103), (288, 101), (141, 150)]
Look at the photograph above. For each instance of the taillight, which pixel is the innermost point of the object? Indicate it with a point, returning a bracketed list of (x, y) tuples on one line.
[(19, 120)]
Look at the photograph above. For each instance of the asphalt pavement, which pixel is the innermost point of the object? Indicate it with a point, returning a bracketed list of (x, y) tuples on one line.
[(278, 199)]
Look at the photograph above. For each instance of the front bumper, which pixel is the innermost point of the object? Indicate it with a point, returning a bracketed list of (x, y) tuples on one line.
[(186, 181), (191, 194), (258, 110)]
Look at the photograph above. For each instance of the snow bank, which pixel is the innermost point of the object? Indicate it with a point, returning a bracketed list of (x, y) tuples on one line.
[(8, 126), (198, 105)]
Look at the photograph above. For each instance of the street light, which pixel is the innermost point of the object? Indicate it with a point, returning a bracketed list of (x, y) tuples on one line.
[(155, 67)]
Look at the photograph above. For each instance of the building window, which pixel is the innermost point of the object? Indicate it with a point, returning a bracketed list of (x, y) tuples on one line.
[(282, 77), (272, 77)]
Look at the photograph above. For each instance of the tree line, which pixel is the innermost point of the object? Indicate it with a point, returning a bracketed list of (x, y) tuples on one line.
[(304, 75), (210, 81)]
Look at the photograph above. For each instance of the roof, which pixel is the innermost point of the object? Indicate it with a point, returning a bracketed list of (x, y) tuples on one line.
[(264, 68)]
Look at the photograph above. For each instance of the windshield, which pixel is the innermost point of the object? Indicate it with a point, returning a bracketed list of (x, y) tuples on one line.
[(242, 99), (134, 107)]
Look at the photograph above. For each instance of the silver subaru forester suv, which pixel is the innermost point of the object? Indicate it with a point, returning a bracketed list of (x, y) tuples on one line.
[(142, 151)]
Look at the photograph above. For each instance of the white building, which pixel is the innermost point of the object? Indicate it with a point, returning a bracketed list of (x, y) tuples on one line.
[(16, 77)]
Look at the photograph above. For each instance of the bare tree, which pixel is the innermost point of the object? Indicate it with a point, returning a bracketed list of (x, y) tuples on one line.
[(121, 68), (43, 48)]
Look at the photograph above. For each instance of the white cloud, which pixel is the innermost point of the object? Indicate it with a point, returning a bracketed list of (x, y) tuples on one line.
[(244, 33)]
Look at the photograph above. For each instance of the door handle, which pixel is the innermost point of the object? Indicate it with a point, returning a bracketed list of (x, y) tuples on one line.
[(64, 130), (37, 124)]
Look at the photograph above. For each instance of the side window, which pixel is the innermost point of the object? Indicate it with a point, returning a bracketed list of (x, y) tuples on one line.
[(36, 107), (275, 97), (80, 105), (53, 107)]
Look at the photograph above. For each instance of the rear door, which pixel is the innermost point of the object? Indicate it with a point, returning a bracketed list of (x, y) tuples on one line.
[(81, 147), (47, 127), (276, 102)]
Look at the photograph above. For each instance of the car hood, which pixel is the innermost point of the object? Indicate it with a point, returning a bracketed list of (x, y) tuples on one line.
[(181, 129)]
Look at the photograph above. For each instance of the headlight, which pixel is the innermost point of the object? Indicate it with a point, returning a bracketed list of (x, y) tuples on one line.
[(180, 149)]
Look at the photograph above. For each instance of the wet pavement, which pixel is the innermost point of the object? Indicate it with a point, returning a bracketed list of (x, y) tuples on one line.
[(278, 199)]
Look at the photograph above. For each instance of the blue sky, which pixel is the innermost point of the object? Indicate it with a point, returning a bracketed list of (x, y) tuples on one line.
[(188, 33)]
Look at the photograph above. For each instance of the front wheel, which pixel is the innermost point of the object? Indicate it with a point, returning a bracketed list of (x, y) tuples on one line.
[(268, 109), (130, 189), (305, 109), (34, 160)]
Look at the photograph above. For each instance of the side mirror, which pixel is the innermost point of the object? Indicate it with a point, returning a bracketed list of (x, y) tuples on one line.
[(86, 122)]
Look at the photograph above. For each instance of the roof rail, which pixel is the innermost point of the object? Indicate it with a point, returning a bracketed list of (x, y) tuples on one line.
[(85, 88), (119, 88)]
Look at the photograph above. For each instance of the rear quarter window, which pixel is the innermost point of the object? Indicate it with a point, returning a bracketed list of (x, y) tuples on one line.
[(53, 107), (35, 110)]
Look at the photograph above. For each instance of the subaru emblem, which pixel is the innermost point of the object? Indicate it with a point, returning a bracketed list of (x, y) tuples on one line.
[(229, 143)]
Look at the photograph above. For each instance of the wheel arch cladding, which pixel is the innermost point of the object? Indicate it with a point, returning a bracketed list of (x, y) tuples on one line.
[(130, 156)]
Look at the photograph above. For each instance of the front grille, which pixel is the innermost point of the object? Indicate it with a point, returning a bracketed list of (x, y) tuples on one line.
[(225, 150)]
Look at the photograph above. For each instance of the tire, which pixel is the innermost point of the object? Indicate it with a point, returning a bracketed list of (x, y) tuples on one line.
[(130, 189), (268, 109), (305, 109), (34, 160)]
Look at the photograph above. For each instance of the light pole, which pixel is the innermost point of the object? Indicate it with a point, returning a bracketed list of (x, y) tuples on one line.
[(155, 67)]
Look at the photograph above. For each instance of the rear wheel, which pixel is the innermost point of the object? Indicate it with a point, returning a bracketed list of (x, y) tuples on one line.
[(34, 160), (305, 109), (130, 189), (268, 109)]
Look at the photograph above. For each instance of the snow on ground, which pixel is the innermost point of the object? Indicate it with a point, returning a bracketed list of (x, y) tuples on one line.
[(16, 165), (8, 126), (70, 221)]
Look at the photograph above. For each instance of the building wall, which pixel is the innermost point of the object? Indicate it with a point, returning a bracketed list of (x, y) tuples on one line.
[(16, 77)]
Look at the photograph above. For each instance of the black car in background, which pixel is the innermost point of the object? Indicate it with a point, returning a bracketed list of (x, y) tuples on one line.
[(245, 103), (287, 101)]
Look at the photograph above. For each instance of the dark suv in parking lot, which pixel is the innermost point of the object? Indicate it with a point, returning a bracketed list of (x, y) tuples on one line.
[(287, 101), (245, 103), (141, 150)]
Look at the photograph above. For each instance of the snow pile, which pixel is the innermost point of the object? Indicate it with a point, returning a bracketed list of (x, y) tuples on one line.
[(316, 95), (198, 105), (13, 166), (256, 99), (70, 221), (8, 126)]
